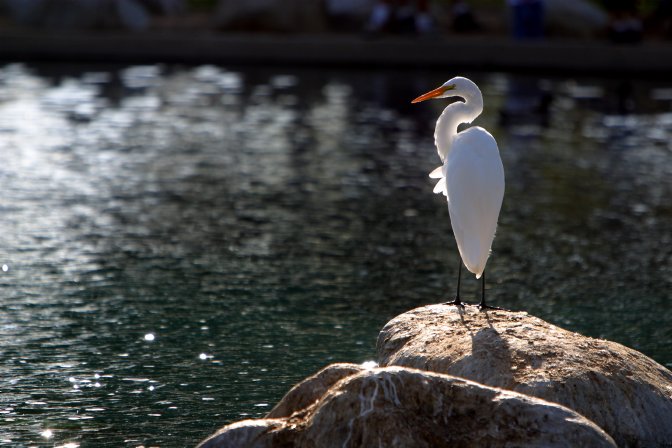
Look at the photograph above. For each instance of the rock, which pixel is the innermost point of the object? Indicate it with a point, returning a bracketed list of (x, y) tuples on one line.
[(401, 407), (271, 15), (243, 434), (624, 392), (312, 389)]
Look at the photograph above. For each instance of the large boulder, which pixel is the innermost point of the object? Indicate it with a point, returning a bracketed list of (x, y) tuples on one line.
[(623, 391), (401, 407), (312, 389)]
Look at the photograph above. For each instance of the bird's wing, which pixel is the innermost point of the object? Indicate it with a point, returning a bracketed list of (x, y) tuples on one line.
[(440, 186), (437, 173), (475, 185)]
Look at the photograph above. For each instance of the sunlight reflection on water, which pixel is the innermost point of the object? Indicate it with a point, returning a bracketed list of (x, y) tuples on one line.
[(181, 245)]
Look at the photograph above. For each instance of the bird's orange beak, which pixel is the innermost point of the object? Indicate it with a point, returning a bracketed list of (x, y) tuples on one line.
[(434, 93)]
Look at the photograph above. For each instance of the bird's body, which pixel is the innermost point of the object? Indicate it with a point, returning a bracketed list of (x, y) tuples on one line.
[(472, 175), (475, 189)]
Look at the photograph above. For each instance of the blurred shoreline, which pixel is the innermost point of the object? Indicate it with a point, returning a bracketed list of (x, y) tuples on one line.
[(478, 52)]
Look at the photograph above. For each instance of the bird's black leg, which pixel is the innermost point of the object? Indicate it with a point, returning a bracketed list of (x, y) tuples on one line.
[(459, 280), (457, 301), (483, 306)]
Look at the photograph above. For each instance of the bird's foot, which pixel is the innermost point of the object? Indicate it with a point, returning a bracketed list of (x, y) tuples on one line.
[(455, 302), (484, 307)]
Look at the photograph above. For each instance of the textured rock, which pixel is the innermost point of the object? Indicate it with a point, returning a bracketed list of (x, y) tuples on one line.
[(312, 389), (400, 407), (244, 434), (621, 390)]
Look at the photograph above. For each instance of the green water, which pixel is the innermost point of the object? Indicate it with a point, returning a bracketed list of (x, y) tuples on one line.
[(183, 244)]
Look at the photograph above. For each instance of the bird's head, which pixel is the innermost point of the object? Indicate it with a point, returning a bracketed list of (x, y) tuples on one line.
[(458, 86)]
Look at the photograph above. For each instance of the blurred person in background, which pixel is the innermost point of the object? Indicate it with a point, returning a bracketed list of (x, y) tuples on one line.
[(89, 14), (527, 18), (401, 16), (661, 18), (625, 24), (464, 20)]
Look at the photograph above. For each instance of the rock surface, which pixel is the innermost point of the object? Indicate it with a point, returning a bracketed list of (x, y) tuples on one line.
[(312, 389), (624, 392), (401, 407)]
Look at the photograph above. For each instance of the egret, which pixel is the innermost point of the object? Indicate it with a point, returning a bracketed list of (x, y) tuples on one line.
[(471, 177)]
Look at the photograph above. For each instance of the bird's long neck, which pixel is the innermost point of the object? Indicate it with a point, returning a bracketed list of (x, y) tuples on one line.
[(451, 118)]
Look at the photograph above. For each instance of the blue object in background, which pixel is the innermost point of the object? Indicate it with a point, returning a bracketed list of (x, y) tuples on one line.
[(527, 18)]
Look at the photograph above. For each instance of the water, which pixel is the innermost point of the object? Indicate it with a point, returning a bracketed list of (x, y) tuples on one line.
[(180, 245)]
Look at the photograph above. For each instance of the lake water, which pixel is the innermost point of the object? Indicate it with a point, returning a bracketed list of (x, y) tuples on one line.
[(180, 245)]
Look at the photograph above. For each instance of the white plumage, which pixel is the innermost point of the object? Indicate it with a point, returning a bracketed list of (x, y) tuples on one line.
[(475, 189), (472, 175)]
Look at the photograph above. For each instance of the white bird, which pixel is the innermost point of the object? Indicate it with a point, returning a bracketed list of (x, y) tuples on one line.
[(471, 178)]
